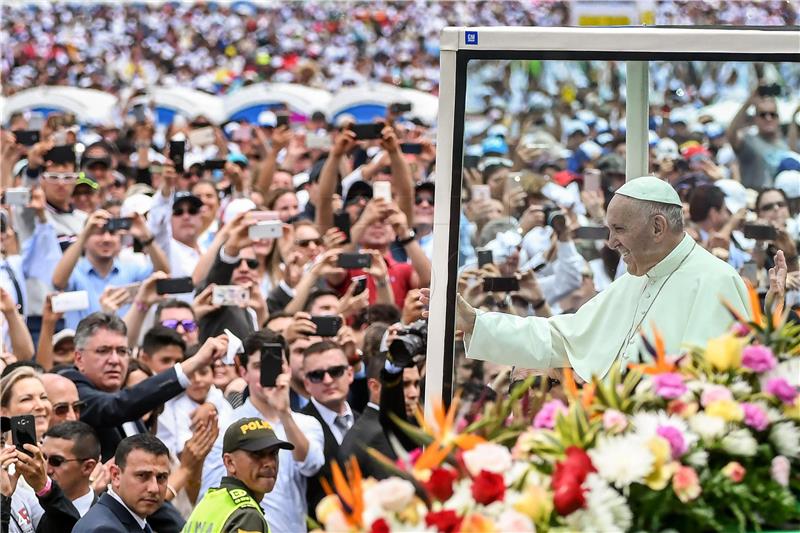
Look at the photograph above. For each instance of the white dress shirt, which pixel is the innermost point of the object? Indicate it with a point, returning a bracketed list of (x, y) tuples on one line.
[(329, 416), (174, 422), (83, 503)]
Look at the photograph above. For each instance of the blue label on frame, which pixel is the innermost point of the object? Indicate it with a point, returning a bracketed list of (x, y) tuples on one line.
[(471, 37)]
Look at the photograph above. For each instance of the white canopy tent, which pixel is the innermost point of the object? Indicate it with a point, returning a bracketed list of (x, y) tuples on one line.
[(188, 102), (88, 105), (250, 100), (372, 100)]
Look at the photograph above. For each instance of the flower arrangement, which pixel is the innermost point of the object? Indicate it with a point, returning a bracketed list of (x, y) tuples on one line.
[(708, 441)]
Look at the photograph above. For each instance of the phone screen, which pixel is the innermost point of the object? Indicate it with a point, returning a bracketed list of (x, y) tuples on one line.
[(327, 326), (500, 284), (271, 363), (23, 431), (342, 221)]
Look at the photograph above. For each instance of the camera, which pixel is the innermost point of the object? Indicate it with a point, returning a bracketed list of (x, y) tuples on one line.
[(554, 215), (411, 341)]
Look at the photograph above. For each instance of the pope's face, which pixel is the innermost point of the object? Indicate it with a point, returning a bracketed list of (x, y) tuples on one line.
[(630, 234)]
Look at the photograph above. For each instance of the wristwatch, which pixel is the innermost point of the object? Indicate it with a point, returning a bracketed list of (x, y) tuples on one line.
[(408, 239)]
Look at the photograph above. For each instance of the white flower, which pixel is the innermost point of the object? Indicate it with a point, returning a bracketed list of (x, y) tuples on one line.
[(606, 509), (488, 456), (780, 470), (646, 425), (622, 460), (511, 520), (392, 494), (709, 428), (788, 370), (786, 438), (739, 442), (741, 388), (697, 459)]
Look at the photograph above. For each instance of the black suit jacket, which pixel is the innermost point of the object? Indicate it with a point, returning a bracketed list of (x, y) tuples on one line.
[(314, 491), (366, 433), (107, 516), (236, 319), (107, 411)]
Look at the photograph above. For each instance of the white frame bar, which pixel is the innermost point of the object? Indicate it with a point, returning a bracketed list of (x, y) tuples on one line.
[(760, 44), (636, 119)]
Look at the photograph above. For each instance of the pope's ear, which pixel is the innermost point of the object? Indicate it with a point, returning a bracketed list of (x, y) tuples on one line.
[(660, 225)]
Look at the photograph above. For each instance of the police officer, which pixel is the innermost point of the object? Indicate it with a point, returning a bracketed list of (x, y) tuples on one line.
[(250, 454)]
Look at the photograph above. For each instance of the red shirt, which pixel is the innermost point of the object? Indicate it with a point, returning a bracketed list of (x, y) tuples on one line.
[(399, 276)]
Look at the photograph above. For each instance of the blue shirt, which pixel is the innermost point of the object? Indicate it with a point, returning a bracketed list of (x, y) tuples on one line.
[(85, 278)]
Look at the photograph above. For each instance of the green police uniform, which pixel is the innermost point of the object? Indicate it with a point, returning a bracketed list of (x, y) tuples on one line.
[(230, 509), (234, 507)]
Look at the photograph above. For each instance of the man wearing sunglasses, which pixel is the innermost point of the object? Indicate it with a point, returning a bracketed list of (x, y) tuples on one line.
[(63, 395), (327, 378), (179, 315), (759, 153)]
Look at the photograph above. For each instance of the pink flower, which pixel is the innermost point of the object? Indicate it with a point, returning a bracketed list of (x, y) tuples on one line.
[(734, 471), (781, 389), (758, 358), (755, 416), (675, 438), (740, 330), (686, 484), (614, 421), (779, 470), (546, 417), (669, 385), (714, 393)]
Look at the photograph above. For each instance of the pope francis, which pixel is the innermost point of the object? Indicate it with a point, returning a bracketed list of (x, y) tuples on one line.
[(672, 283)]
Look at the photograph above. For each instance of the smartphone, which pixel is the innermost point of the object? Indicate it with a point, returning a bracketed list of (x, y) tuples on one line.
[(327, 326), (500, 284), (271, 363), (471, 161), (591, 233), (282, 120), (342, 221), (261, 216), (117, 224), (367, 131), (411, 148), (361, 284), (202, 136), (591, 180), (773, 90), (214, 164), (139, 113), (20, 196), (353, 260), (60, 138), (23, 431), (315, 141), (69, 301), (398, 108), (174, 285), (749, 272), (63, 153), (132, 288), (27, 137), (760, 232), (234, 295), (481, 192), (176, 151), (382, 189), (485, 257), (268, 229)]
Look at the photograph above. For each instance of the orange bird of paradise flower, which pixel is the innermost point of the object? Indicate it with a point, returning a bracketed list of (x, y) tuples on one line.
[(756, 316), (662, 365), (349, 490), (445, 438)]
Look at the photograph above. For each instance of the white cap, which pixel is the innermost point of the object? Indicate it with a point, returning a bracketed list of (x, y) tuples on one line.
[(236, 206), (136, 203), (679, 115), (498, 130), (667, 148), (193, 158), (267, 119), (574, 126), (65, 333), (298, 180), (789, 182), (591, 149), (735, 194)]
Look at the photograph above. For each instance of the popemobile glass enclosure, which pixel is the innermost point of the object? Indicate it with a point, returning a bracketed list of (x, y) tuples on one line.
[(507, 107)]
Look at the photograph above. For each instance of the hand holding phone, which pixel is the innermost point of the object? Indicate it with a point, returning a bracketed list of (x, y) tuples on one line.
[(271, 364), (174, 285), (327, 326), (368, 131), (351, 260), (23, 431)]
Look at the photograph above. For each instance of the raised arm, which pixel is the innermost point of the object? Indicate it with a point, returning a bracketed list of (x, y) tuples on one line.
[(740, 121), (401, 173), (344, 141), (21, 341)]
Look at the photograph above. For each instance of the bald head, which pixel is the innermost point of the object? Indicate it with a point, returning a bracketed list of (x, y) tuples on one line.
[(63, 395)]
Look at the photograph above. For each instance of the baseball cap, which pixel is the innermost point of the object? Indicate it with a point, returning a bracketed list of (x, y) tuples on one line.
[(358, 189), (735, 194), (576, 126), (239, 159), (83, 179), (790, 162), (186, 196), (789, 182), (64, 334), (136, 203), (252, 434), (267, 119), (494, 145)]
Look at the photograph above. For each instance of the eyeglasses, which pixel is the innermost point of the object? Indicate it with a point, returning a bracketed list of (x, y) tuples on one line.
[(57, 460), (419, 199), (122, 351), (187, 325), (773, 205), (60, 176), (252, 264), (335, 372), (63, 408), (180, 212), (305, 243), (767, 114)]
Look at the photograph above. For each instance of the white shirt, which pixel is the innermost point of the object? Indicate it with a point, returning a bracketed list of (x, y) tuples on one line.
[(329, 417), (83, 503), (25, 509), (182, 259), (139, 520), (285, 507), (174, 422)]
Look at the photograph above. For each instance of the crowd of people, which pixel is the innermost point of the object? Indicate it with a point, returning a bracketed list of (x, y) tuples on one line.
[(184, 321)]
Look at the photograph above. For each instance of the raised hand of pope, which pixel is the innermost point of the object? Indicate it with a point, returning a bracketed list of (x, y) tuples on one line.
[(465, 313)]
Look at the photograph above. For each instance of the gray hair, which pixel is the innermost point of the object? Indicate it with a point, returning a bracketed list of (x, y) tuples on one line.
[(95, 322), (673, 213)]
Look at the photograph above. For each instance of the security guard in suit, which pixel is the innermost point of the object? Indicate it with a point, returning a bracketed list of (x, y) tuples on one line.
[(250, 454)]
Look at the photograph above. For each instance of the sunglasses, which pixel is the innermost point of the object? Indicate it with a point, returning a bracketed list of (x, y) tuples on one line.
[(335, 372), (187, 325), (771, 206), (305, 243), (56, 460), (60, 176), (63, 408), (252, 264), (419, 199), (180, 212), (767, 114)]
